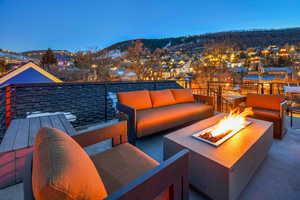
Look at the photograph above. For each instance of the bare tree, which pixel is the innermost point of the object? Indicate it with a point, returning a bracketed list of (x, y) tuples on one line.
[(104, 62), (153, 64), (136, 55)]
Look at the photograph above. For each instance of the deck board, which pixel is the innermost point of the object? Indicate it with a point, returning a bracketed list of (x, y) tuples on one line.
[(67, 125), (35, 125), (10, 136), (22, 136), (45, 122), (57, 123)]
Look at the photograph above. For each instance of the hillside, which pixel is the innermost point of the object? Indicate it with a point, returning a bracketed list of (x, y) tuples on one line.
[(244, 39)]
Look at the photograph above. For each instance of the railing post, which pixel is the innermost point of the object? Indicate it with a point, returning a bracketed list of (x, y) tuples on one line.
[(208, 88), (105, 101), (262, 88), (219, 99), (271, 88), (7, 105)]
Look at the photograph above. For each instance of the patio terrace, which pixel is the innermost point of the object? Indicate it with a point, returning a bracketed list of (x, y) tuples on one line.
[(277, 178), (92, 104)]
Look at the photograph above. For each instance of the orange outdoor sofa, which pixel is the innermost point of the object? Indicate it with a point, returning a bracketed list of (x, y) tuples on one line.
[(269, 108), (149, 112), (59, 168)]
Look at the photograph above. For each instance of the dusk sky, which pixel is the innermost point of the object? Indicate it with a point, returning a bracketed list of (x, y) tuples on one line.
[(77, 24)]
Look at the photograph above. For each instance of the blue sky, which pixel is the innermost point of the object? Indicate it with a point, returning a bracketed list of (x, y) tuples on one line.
[(77, 24)]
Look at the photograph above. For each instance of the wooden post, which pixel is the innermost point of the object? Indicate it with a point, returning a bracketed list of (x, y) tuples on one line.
[(7, 105), (271, 88), (219, 99), (208, 88), (262, 88)]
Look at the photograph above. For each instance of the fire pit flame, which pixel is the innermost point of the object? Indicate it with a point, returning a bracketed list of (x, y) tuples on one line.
[(236, 120), (225, 128)]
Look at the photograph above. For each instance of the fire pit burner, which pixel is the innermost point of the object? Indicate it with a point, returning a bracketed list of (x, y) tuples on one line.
[(205, 136), (225, 128)]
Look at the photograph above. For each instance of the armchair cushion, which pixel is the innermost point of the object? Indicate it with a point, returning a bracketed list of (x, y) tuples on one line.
[(270, 114), (62, 169), (122, 164), (271, 102), (183, 95), (136, 99), (158, 119), (162, 98)]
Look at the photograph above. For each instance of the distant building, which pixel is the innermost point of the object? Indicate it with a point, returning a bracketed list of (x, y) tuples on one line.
[(270, 74), (27, 73)]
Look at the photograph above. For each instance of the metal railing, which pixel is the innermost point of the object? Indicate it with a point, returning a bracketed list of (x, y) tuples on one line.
[(218, 89), (88, 103)]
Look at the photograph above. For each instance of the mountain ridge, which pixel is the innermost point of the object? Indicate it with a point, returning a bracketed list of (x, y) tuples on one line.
[(242, 38)]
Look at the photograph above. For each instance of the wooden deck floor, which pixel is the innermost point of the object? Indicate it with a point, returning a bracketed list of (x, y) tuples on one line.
[(277, 178)]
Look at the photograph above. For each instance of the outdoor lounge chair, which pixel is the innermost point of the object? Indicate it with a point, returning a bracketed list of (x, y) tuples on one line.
[(269, 108), (149, 112), (59, 168)]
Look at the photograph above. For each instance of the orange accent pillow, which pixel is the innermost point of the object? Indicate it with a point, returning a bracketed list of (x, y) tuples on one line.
[(137, 99), (162, 98), (61, 169), (183, 95)]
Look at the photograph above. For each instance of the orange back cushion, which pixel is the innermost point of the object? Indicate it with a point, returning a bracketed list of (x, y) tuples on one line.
[(271, 102), (138, 99), (183, 95), (162, 98), (62, 169)]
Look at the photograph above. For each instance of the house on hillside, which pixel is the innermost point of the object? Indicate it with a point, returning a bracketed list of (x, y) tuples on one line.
[(28, 72)]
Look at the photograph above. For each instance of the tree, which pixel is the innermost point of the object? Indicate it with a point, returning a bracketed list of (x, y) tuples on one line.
[(48, 60), (103, 61), (137, 54), (3, 67), (97, 62), (153, 64)]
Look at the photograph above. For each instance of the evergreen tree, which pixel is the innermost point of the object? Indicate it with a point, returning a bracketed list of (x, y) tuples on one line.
[(48, 59)]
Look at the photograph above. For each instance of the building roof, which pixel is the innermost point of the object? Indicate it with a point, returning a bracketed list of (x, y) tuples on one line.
[(27, 73)]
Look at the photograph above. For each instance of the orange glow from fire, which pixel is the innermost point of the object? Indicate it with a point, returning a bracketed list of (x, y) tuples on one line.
[(236, 120)]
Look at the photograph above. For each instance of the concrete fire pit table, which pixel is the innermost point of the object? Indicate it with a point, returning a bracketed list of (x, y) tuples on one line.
[(222, 172)]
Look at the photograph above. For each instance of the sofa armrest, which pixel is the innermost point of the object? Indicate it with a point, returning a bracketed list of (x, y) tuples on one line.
[(283, 108), (172, 173), (207, 99), (131, 117), (283, 111), (117, 132)]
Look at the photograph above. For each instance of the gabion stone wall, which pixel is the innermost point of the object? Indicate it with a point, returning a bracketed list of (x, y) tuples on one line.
[(83, 103)]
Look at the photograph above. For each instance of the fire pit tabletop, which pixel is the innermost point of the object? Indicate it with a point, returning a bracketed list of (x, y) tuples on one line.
[(229, 152), (222, 172)]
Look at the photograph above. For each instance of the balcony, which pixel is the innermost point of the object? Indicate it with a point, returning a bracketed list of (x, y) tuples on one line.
[(92, 105)]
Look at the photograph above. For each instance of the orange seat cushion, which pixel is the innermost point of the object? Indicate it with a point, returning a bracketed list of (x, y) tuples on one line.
[(136, 99), (123, 164), (271, 102), (158, 119), (183, 95), (268, 114), (62, 169), (162, 98)]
